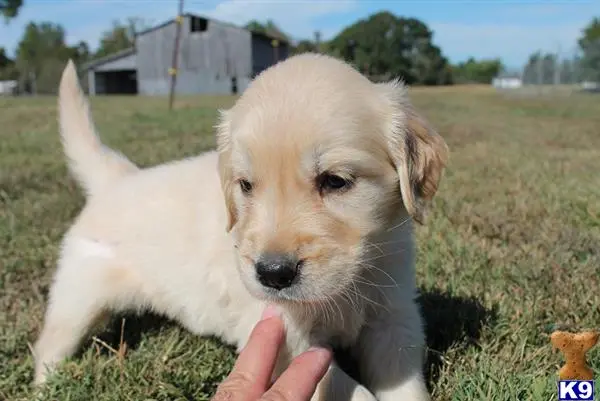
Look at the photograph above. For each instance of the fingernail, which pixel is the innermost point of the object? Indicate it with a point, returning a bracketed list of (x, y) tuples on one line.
[(269, 312)]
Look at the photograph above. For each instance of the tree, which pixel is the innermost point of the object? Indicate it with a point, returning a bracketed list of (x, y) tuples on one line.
[(5, 61), (541, 69), (384, 46), (269, 28), (10, 8), (591, 33), (304, 46), (549, 67), (567, 72), (42, 54), (255, 26), (80, 53), (473, 71), (7, 66), (531, 73), (121, 36), (589, 42)]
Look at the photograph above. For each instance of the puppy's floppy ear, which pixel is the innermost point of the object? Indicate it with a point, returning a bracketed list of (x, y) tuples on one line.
[(418, 152), (223, 129)]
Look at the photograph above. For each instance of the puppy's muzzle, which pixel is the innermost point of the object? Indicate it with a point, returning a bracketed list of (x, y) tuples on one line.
[(277, 271)]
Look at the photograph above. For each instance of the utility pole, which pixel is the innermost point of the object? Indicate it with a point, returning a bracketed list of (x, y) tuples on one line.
[(557, 66), (540, 69), (318, 41), (351, 49), (173, 69), (275, 44), (228, 69)]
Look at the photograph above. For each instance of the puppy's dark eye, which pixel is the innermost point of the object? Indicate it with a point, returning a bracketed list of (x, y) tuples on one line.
[(333, 182), (246, 186)]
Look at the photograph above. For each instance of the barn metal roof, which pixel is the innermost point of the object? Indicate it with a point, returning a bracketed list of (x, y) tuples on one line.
[(108, 58), (268, 36)]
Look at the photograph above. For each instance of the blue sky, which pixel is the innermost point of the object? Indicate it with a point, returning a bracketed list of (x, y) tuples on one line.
[(507, 29)]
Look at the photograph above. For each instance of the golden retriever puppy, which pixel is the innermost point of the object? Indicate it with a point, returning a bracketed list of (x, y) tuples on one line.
[(308, 203)]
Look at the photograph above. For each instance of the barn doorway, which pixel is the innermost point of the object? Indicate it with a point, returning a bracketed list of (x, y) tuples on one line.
[(122, 82)]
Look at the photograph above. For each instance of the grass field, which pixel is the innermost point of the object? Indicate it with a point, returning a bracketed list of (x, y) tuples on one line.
[(510, 252)]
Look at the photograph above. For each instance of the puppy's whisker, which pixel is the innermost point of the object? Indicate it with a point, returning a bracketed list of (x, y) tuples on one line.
[(347, 294), (316, 310), (325, 309), (367, 299), (399, 251), (373, 267), (373, 284), (334, 305), (356, 299), (365, 281), (399, 225), (375, 246), (324, 306), (396, 241), (333, 301)]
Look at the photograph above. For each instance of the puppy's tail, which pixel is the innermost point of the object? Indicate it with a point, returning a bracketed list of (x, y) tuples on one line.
[(92, 164)]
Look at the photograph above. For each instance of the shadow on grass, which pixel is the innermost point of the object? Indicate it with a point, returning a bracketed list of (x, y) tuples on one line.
[(129, 328), (449, 321)]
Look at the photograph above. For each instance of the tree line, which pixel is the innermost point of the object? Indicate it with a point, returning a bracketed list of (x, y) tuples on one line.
[(42, 52), (382, 46), (544, 68)]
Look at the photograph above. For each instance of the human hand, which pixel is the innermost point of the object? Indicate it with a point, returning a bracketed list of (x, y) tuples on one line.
[(250, 378)]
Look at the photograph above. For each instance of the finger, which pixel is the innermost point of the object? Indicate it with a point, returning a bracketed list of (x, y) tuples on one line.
[(299, 381), (252, 371), (260, 352)]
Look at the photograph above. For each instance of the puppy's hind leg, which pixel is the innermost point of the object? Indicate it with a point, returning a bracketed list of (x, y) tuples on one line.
[(83, 290)]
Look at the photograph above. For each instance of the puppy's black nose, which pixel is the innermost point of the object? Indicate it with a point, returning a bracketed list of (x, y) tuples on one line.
[(277, 270)]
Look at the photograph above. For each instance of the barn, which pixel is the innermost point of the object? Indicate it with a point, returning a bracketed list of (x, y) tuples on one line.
[(214, 58)]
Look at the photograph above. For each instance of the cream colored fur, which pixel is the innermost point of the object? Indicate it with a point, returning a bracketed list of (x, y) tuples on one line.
[(182, 238)]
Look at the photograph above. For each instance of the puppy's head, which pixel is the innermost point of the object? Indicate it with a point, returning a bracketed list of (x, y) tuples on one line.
[(314, 160)]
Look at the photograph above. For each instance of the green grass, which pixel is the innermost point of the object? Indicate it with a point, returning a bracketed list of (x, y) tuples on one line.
[(510, 252)]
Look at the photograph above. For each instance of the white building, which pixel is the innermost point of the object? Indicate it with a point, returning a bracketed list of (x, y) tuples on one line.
[(8, 88), (507, 81), (590, 86)]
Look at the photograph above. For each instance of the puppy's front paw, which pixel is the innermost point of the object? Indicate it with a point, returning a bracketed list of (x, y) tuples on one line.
[(361, 393), (338, 386), (357, 393), (413, 390)]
